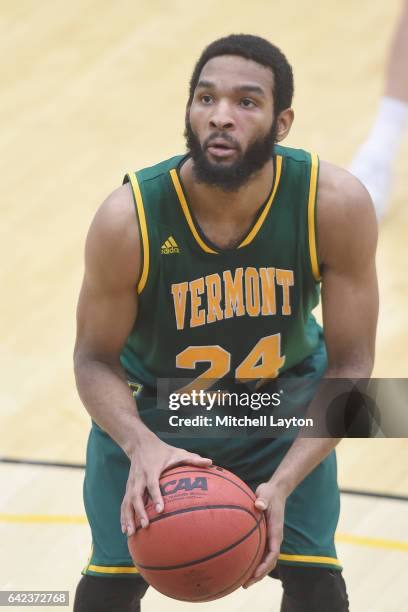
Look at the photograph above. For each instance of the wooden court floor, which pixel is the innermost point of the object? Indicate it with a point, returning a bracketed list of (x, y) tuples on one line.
[(46, 538), (92, 90)]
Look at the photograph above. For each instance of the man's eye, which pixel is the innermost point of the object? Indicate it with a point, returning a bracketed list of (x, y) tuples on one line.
[(206, 99), (247, 103)]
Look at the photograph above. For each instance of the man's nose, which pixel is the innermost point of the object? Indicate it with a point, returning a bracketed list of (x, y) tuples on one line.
[(222, 118)]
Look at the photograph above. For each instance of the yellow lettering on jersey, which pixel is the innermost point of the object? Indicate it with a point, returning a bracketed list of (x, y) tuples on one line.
[(285, 279), (234, 295), (179, 292), (214, 311), (254, 298), (268, 290), (252, 301), (197, 313)]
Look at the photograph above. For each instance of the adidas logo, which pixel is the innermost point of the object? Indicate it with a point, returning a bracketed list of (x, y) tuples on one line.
[(169, 246)]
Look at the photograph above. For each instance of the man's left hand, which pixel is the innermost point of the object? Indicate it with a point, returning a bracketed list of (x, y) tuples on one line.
[(272, 501)]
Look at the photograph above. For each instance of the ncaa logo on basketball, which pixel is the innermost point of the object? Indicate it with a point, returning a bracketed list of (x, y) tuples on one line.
[(184, 484)]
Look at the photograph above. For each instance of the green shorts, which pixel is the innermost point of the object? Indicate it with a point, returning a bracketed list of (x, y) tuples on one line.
[(311, 512)]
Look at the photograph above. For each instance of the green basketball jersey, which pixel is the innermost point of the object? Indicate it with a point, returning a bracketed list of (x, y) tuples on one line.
[(242, 313), (225, 317)]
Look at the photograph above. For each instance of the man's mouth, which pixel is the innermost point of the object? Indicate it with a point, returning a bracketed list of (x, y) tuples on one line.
[(220, 148)]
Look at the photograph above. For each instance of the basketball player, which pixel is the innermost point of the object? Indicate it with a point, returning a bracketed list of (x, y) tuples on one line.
[(217, 272), (374, 161)]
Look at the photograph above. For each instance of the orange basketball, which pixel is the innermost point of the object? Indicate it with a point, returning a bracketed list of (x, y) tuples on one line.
[(207, 541)]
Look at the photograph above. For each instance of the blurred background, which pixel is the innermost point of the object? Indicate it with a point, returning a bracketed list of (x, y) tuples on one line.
[(93, 89)]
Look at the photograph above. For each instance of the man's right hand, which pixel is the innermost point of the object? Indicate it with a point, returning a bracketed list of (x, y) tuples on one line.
[(147, 463)]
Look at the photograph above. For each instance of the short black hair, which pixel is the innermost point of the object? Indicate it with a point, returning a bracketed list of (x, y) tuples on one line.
[(259, 50)]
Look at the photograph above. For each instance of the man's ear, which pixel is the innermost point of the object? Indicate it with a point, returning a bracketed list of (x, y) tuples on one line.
[(284, 123)]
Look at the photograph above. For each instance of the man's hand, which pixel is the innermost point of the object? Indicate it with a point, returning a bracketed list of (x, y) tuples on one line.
[(147, 464), (272, 501)]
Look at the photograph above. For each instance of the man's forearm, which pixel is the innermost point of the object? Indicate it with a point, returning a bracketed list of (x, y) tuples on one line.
[(307, 451), (109, 401), (302, 457)]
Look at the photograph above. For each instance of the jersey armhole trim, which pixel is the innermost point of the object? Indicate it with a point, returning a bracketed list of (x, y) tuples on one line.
[(311, 216), (141, 217)]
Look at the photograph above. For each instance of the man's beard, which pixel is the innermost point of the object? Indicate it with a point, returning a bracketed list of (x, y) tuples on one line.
[(229, 177)]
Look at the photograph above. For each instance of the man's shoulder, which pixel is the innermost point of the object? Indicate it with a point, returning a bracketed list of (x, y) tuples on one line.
[(341, 192), (112, 248), (118, 209), (345, 212)]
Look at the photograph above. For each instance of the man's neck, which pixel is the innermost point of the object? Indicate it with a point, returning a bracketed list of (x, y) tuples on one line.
[(225, 217)]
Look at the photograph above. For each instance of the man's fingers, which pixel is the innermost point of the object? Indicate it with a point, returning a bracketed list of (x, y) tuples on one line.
[(140, 512), (133, 509), (155, 494), (261, 503), (263, 569), (198, 460), (275, 540), (275, 535), (127, 519), (263, 496), (187, 458), (267, 564), (275, 529)]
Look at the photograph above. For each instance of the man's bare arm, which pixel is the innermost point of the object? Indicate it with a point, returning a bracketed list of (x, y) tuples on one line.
[(107, 311), (347, 230), (347, 235)]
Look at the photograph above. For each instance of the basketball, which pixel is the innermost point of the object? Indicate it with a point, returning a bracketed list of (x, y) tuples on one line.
[(208, 540)]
